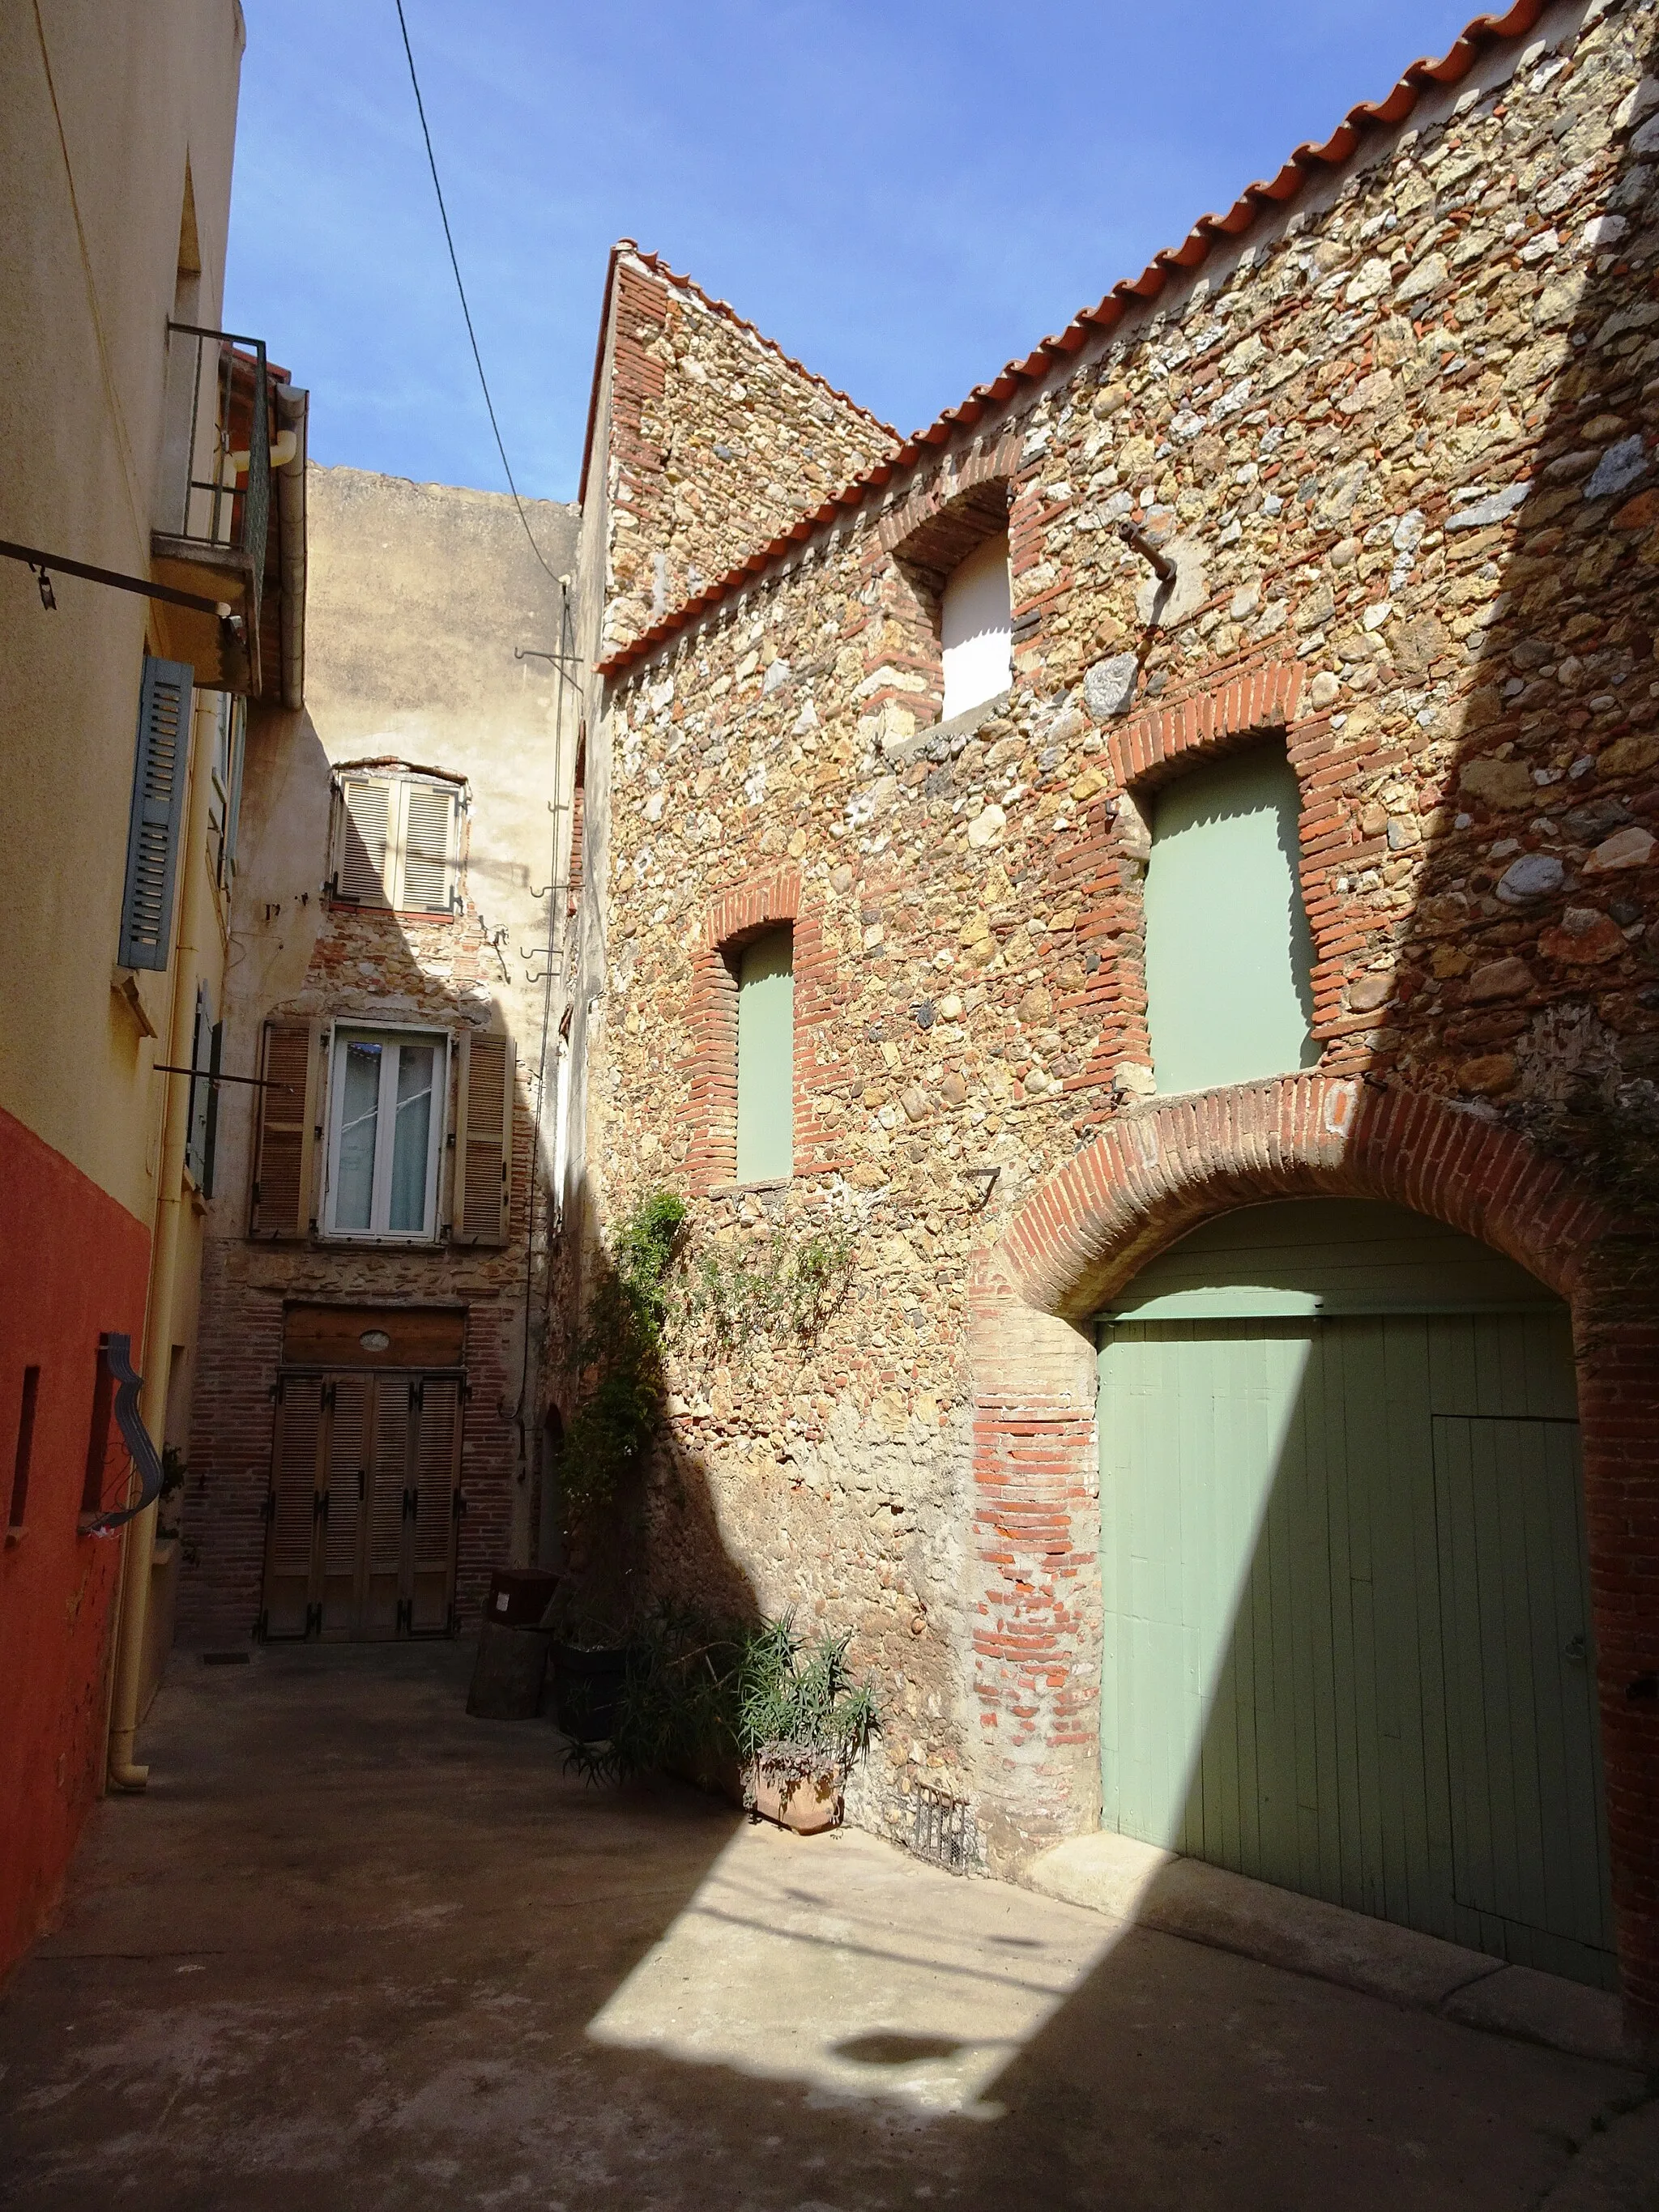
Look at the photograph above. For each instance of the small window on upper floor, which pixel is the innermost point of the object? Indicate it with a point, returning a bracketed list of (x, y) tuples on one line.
[(397, 842), (976, 628), (1229, 952), (766, 1057)]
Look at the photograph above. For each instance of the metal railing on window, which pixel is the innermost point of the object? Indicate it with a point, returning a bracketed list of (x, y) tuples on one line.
[(218, 472)]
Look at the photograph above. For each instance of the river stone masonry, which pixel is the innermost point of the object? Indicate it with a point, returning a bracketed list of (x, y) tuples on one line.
[(1404, 430), (717, 438)]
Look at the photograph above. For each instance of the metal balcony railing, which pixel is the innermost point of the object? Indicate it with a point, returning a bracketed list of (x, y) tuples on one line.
[(217, 471)]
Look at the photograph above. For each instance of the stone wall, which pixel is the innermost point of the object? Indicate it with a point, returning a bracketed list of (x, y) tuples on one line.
[(1395, 438), (715, 440)]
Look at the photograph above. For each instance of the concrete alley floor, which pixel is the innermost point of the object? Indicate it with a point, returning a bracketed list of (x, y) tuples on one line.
[(356, 1950)]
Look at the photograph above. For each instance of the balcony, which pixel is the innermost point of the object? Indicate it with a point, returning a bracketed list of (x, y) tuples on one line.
[(213, 520)]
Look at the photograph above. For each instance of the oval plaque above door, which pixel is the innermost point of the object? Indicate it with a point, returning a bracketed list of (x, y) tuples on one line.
[(315, 1335)]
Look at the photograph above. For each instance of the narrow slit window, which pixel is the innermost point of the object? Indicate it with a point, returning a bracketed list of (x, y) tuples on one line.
[(1229, 952), (93, 1500), (766, 1058), (20, 1470)]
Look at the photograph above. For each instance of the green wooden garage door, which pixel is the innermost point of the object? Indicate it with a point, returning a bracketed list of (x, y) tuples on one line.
[(1346, 1608)]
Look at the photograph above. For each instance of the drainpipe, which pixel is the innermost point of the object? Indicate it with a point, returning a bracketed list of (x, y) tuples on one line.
[(138, 1550)]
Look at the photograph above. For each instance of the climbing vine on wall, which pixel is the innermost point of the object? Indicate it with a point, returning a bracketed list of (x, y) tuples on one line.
[(724, 1301), (783, 1291), (619, 1350)]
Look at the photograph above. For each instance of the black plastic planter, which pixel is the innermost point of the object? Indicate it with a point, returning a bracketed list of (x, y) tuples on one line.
[(587, 1691)]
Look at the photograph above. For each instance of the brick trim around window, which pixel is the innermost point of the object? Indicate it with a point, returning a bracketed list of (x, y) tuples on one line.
[(1254, 703), (746, 911)]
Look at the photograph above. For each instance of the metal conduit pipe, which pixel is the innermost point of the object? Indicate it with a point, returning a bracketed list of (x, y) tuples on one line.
[(139, 1546)]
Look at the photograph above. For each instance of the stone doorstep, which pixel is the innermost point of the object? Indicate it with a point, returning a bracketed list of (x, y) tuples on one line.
[(1136, 1882)]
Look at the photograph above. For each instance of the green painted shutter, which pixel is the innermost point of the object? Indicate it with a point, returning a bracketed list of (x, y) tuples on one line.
[(160, 778), (766, 1058), (1228, 954)]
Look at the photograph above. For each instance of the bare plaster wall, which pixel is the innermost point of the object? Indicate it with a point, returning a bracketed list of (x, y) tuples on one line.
[(92, 218)]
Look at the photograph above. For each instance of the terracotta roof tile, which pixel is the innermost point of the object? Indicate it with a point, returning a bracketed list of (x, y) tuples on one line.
[(1275, 193)]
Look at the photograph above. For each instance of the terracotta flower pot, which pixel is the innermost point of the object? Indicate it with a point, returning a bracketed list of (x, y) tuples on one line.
[(808, 1806)]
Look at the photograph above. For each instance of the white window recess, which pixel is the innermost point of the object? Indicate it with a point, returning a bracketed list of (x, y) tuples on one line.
[(976, 628), (396, 843)]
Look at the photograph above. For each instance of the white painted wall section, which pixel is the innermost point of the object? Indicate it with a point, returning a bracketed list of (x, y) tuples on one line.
[(976, 628)]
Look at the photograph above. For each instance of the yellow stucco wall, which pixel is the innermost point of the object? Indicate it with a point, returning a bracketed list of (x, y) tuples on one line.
[(106, 110)]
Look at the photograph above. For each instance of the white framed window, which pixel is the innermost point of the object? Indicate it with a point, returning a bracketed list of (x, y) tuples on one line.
[(397, 842), (388, 1090)]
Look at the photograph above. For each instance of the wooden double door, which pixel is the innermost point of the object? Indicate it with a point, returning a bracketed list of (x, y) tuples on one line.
[(1347, 1643), (364, 1503)]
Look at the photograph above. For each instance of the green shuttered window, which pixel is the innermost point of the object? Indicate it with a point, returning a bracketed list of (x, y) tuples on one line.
[(161, 775), (1228, 954), (766, 1058)]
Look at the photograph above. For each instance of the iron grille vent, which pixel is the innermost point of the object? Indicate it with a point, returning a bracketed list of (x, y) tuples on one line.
[(942, 1831)]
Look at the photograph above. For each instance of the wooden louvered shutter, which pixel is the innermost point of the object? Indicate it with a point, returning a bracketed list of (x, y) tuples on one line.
[(484, 1140), (287, 1119), (430, 849), (160, 775), (292, 1510), (346, 1491), (365, 833), (388, 1453), (434, 1491)]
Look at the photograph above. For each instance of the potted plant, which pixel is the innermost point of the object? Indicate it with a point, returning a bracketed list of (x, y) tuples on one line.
[(755, 1713), (803, 1718), (672, 1705), (589, 1658)]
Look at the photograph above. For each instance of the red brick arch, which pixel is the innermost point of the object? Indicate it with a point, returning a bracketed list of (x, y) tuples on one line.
[(1085, 1232), (758, 903)]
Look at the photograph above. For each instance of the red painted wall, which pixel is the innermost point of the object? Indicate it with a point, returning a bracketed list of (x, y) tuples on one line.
[(73, 1263)]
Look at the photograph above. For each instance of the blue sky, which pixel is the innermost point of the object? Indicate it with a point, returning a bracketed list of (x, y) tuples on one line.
[(904, 197)]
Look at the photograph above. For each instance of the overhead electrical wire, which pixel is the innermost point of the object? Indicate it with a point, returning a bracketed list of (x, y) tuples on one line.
[(449, 240)]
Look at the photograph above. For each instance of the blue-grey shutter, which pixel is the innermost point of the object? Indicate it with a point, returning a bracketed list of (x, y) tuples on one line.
[(160, 777), (210, 1141)]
